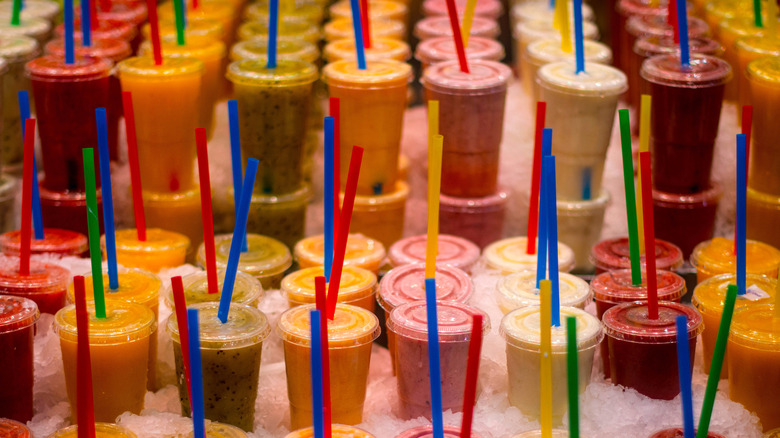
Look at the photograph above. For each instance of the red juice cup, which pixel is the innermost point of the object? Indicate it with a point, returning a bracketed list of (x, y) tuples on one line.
[(432, 27), (67, 210), (14, 429), (452, 250), (643, 351), (427, 432), (763, 77), (677, 432), (479, 220), (16, 52), (408, 323), (625, 9), (65, 100), (46, 285), (440, 49), (471, 119), (56, 242), (686, 220), (614, 254), (17, 329)]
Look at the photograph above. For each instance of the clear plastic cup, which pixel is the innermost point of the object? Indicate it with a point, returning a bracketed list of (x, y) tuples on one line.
[(14, 429), (439, 49), (381, 49), (728, 32), (102, 430), (106, 29), (219, 430), (341, 28), (16, 52), (381, 217), (18, 317), (33, 27), (432, 27), (508, 255), (118, 341), (309, 10), (358, 287), (45, 285), (230, 354), (56, 242), (490, 9), (67, 209), (337, 430), (246, 290), (161, 249), (177, 211), (658, 25), (479, 220), (361, 251), (351, 333), (614, 254), (427, 432), (285, 49), (763, 80), (282, 217), (385, 9), (452, 250), (265, 259), (224, 12), (686, 220), (518, 290), (208, 28), (677, 432), (128, 11), (290, 28), (718, 256), (521, 330), (763, 213), (579, 226), (525, 32), (45, 9)]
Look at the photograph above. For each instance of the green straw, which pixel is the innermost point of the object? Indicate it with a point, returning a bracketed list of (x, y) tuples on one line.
[(572, 371), (178, 9), (757, 13), (628, 180), (94, 232), (717, 362), (16, 13)]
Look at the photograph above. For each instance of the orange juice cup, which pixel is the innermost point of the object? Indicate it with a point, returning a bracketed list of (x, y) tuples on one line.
[(717, 256), (358, 287), (361, 251), (161, 249)]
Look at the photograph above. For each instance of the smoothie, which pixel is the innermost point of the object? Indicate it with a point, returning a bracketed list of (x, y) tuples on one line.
[(614, 254), (282, 217), (525, 32), (440, 49), (763, 213), (381, 49), (763, 80), (208, 28), (518, 290), (265, 259), (358, 287), (285, 49), (579, 226), (246, 290), (102, 430), (432, 27), (67, 209), (224, 12), (179, 211), (56, 242), (385, 9), (161, 249), (16, 52), (18, 317), (452, 250), (45, 285), (381, 217), (361, 251), (717, 256), (508, 255), (479, 220), (290, 28), (341, 28)]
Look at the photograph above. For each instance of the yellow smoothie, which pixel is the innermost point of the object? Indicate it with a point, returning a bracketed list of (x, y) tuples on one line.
[(338, 431), (358, 287), (717, 256), (161, 249), (179, 212), (763, 77), (361, 251), (265, 259), (102, 430)]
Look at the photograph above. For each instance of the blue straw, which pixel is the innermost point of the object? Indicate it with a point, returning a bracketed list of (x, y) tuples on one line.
[(541, 249), (196, 376), (586, 182), (684, 370), (329, 146), (552, 239), (70, 55), (108, 200), (235, 246), (357, 26), (682, 25), (579, 45), (235, 159), (741, 242), (434, 366), (86, 20), (273, 30), (37, 216), (317, 398)]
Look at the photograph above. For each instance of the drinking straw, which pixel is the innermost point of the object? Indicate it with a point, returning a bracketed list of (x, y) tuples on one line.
[(16, 13), (682, 25), (273, 30), (541, 257), (771, 25), (684, 371), (741, 241), (85, 416), (563, 24), (672, 20), (37, 216), (320, 298), (556, 23), (178, 9), (195, 4), (328, 219), (579, 45), (472, 372), (70, 54), (198, 410), (206, 209), (334, 109), (357, 28), (135, 169), (628, 184), (545, 348), (572, 374), (27, 178), (717, 362), (456, 35), (552, 238), (365, 24), (468, 20), (533, 204), (108, 199), (644, 145), (181, 321), (586, 178), (154, 25), (86, 23), (316, 373), (747, 126), (93, 227), (757, 13), (343, 234), (434, 188), (650, 264), (235, 159), (434, 365)]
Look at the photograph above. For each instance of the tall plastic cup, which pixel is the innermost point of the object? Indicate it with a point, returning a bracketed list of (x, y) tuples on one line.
[(717, 256), (579, 226), (688, 219), (440, 49), (381, 48), (432, 27), (45, 285), (179, 211), (381, 217), (14, 429), (358, 287), (337, 430), (341, 28), (161, 249), (102, 430), (230, 353), (361, 251), (452, 250), (615, 254), (479, 220), (763, 80), (763, 213), (350, 335), (16, 52), (265, 258), (246, 290), (18, 317), (56, 242), (518, 290), (508, 255)]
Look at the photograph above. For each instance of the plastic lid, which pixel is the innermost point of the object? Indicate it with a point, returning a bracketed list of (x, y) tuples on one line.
[(654, 45), (168, 70), (67, 198), (351, 326), (410, 320), (658, 25), (509, 255), (766, 70), (20, 48), (246, 290), (756, 326), (245, 326), (556, 433), (384, 201), (381, 48), (300, 196), (704, 71), (43, 278), (677, 432), (688, 200), (135, 286), (630, 322), (132, 12), (16, 313), (491, 9), (13, 429), (431, 27), (53, 69), (598, 80), (710, 295), (265, 256), (207, 9), (360, 250), (484, 77), (378, 74), (616, 287), (440, 49), (769, 200), (285, 49), (718, 255), (202, 48), (219, 430), (288, 73), (124, 322), (584, 208), (452, 250), (56, 240), (519, 290), (628, 8), (338, 431), (615, 254), (379, 9), (290, 27), (541, 12), (740, 26), (340, 28), (45, 9), (544, 51), (200, 27), (527, 31), (356, 283), (407, 283), (156, 240), (312, 11), (521, 329), (113, 49), (720, 10), (485, 204), (177, 198), (28, 26), (102, 430)]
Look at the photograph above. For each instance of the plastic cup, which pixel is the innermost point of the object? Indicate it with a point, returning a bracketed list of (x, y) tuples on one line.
[(14, 429), (230, 353), (579, 226), (541, 11), (224, 12), (290, 28), (728, 32), (508, 255), (381, 217), (66, 97), (56, 242), (432, 27), (521, 330), (119, 350), (643, 351), (525, 32), (45, 285), (763, 213), (102, 430), (337, 430), (178, 211), (380, 9), (556, 433), (658, 25), (439, 49), (479, 220), (624, 9), (247, 290), (518, 290), (133, 12), (677, 432), (33, 27), (381, 49), (265, 259), (452, 250), (7, 200), (709, 298), (358, 287), (106, 29), (281, 98), (361, 251), (717, 11), (408, 323), (717, 256), (47, 10), (490, 9), (763, 85), (197, 28), (614, 254), (165, 127), (686, 220), (218, 430), (471, 120), (16, 52), (341, 28), (350, 335), (427, 432), (67, 209), (285, 49), (18, 317), (282, 217), (161, 249), (309, 10)]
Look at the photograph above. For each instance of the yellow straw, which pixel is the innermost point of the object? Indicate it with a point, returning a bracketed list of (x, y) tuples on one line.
[(644, 146), (563, 23), (545, 324), (468, 18), (771, 22), (434, 187)]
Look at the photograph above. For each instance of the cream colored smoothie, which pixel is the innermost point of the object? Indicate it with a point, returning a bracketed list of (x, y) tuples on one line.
[(508, 255), (518, 290)]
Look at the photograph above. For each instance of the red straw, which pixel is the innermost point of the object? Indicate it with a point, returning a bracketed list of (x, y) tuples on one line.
[(472, 372), (27, 183), (335, 113), (85, 412), (322, 306), (364, 22), (151, 6), (135, 172), (195, 4), (206, 209), (647, 215), (533, 203), (93, 20), (672, 20), (346, 217), (184, 335), (747, 126), (453, 13), (105, 5)]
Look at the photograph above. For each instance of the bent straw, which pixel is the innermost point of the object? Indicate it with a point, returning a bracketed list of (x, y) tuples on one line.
[(684, 371), (472, 373), (85, 414), (206, 210), (93, 226), (320, 297), (434, 189), (545, 348), (196, 368), (434, 362), (27, 183), (628, 184), (644, 145), (184, 336), (108, 199), (533, 204), (316, 373), (37, 216), (650, 263), (328, 210), (235, 159), (572, 377), (135, 169)]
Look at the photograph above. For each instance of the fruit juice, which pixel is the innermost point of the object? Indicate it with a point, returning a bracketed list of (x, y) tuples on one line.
[(56, 242), (508, 255), (679, 433), (579, 226), (230, 355), (280, 97), (282, 217), (7, 199), (178, 212), (452, 250), (385, 9), (218, 430), (16, 52), (308, 10), (161, 249), (709, 298), (65, 100), (619, 35), (409, 324), (290, 28), (285, 49), (490, 9), (518, 290), (361, 251), (719, 10), (686, 220), (521, 330), (440, 49), (18, 317), (718, 256), (728, 32), (14, 429), (341, 28), (33, 27), (427, 432), (373, 102), (381, 217), (432, 27), (47, 10), (265, 258), (119, 352), (480, 220), (358, 287), (102, 430), (198, 28), (614, 254), (381, 48), (337, 431), (764, 88), (46, 284), (763, 213), (246, 290), (350, 335), (165, 127), (224, 12), (526, 32), (68, 210)]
